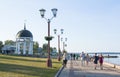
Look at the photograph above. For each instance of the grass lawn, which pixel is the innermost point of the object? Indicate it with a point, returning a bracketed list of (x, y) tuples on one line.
[(19, 66)]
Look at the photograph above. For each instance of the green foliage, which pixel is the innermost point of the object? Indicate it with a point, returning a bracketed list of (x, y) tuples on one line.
[(35, 47), (9, 42), (64, 51), (48, 38), (45, 48), (1, 45)]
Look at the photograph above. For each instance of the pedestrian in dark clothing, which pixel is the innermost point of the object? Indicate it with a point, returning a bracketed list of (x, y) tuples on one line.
[(74, 56), (71, 55), (77, 57), (96, 58)]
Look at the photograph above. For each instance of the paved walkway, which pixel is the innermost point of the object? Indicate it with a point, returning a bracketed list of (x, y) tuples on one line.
[(74, 69)]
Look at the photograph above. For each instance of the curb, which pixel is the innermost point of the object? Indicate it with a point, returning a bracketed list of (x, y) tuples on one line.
[(58, 73), (112, 65)]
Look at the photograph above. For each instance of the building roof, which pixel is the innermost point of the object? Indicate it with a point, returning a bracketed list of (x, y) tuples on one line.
[(24, 33)]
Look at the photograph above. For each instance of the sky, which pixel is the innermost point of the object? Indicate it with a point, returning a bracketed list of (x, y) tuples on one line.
[(89, 25)]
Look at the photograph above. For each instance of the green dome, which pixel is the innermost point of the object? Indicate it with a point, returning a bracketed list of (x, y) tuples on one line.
[(24, 33)]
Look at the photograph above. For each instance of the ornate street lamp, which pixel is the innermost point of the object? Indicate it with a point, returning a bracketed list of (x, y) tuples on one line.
[(48, 38), (59, 51)]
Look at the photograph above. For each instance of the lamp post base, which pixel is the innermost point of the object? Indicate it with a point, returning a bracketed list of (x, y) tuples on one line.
[(49, 63)]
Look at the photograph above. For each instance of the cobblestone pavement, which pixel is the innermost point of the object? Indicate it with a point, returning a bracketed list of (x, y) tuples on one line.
[(74, 69)]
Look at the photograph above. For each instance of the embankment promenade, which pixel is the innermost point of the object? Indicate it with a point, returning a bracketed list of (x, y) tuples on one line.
[(112, 65), (74, 69)]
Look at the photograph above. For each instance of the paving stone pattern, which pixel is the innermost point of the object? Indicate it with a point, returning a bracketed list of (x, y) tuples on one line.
[(74, 69)]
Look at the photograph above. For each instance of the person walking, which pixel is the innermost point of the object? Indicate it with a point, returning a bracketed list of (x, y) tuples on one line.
[(101, 61), (64, 59), (82, 58), (74, 56), (87, 59), (96, 58), (71, 55)]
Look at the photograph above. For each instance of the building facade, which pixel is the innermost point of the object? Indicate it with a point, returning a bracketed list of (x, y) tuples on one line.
[(24, 42)]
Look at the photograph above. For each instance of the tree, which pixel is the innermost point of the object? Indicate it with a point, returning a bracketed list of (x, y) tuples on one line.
[(35, 47), (1, 45), (64, 51), (9, 42), (45, 48)]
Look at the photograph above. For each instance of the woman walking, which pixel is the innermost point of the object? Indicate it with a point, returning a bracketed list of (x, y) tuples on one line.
[(101, 61)]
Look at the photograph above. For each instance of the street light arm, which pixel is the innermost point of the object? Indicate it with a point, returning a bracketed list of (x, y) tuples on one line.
[(48, 20), (51, 18)]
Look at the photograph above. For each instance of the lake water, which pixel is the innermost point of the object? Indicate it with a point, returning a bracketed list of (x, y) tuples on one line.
[(113, 60)]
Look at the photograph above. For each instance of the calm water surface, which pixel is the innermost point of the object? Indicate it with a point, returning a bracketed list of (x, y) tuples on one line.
[(113, 60)]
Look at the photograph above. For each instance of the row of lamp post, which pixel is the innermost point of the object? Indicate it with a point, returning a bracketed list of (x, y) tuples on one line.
[(59, 51), (49, 38), (64, 43)]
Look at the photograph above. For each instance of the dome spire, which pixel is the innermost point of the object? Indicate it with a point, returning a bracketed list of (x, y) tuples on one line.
[(24, 24)]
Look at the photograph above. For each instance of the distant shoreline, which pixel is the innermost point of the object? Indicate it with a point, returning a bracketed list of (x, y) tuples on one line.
[(104, 52), (109, 56), (98, 52)]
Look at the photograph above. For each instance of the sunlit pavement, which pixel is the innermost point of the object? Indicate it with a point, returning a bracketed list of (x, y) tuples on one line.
[(74, 69)]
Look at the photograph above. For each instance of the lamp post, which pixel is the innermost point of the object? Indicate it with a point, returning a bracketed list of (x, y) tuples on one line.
[(48, 38), (64, 45), (55, 32)]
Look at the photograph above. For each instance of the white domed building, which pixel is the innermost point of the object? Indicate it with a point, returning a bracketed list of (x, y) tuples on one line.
[(24, 42)]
